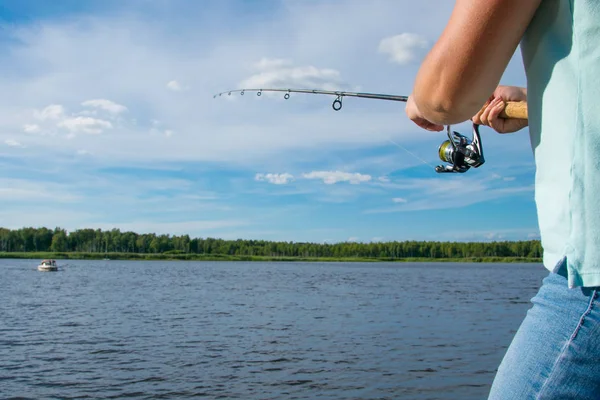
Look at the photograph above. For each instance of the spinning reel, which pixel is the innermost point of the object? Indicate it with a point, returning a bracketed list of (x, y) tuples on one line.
[(460, 153)]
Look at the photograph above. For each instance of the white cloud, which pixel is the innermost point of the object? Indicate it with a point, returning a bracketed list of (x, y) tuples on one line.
[(440, 193), (331, 177), (54, 116), (106, 105), (403, 48), (504, 178), (276, 179), (174, 86), (352, 239), (278, 73), (83, 152), (494, 236), (169, 133), (384, 179), (485, 235), (31, 128), (272, 63), (33, 191), (53, 111), (71, 219), (13, 143), (399, 200), (194, 228), (85, 125)]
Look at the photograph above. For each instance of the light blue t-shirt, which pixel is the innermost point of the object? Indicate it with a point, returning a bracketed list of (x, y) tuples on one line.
[(561, 54)]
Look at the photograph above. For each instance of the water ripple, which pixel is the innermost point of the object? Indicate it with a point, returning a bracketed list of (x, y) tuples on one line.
[(178, 330)]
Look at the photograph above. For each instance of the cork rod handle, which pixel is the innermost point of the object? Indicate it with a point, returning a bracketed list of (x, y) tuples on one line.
[(515, 109)]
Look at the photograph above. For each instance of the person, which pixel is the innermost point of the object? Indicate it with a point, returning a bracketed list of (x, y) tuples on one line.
[(555, 353)]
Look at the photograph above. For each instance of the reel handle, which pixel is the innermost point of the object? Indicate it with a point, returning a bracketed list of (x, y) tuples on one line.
[(513, 110)]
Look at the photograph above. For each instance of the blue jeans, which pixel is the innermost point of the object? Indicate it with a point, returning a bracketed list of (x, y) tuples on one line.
[(555, 354)]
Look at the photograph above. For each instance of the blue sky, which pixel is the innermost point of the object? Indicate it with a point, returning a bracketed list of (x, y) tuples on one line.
[(107, 120)]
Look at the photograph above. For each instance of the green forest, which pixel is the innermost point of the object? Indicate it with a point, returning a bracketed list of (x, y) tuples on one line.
[(95, 243)]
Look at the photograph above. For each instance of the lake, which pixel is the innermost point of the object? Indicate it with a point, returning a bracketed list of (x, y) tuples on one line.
[(238, 330)]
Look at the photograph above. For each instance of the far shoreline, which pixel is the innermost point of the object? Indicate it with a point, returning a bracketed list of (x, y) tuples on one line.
[(225, 257)]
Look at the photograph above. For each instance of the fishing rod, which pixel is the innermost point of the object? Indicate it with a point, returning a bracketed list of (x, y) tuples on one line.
[(458, 151)]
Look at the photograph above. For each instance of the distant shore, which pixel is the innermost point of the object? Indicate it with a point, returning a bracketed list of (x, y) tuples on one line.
[(29, 242), (225, 257)]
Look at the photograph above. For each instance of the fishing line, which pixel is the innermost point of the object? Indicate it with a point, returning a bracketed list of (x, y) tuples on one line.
[(411, 153)]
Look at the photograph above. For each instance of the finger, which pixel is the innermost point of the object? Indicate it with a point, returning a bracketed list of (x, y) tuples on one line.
[(493, 116), (514, 125), (477, 117), (430, 126), (435, 127), (494, 112), (423, 123), (484, 115)]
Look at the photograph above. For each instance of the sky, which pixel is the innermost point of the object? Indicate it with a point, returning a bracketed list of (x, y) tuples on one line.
[(108, 120)]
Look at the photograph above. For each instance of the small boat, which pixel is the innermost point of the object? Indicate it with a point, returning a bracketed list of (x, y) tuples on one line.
[(48, 265)]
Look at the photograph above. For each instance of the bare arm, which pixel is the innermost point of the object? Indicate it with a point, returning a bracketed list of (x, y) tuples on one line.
[(464, 67)]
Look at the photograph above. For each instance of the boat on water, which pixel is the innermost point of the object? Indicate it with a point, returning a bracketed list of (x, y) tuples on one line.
[(48, 265)]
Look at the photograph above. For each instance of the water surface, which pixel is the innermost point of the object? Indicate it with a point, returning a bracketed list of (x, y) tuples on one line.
[(235, 330)]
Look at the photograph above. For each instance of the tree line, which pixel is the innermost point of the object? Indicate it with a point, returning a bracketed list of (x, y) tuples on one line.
[(114, 241)]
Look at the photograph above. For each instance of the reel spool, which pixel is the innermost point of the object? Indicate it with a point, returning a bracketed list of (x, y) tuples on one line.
[(460, 153)]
